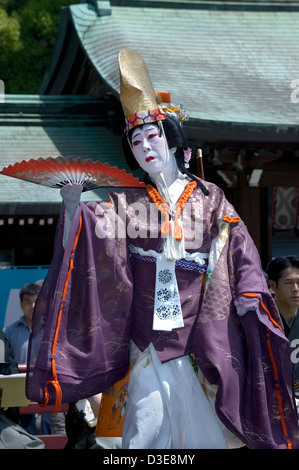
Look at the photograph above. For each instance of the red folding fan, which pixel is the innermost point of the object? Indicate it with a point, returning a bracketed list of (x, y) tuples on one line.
[(58, 171)]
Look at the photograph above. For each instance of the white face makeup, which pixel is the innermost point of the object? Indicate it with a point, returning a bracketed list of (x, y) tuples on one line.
[(150, 148)]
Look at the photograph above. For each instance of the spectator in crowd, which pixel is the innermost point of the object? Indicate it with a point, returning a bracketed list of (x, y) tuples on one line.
[(19, 331), (283, 280)]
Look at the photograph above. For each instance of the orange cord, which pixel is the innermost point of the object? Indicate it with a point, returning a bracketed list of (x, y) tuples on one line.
[(163, 208), (54, 382), (231, 220), (278, 394), (251, 294)]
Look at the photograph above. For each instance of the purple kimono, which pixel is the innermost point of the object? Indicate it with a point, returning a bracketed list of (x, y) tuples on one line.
[(97, 297)]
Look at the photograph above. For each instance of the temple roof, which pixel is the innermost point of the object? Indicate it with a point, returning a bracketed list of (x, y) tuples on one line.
[(231, 63), (228, 62)]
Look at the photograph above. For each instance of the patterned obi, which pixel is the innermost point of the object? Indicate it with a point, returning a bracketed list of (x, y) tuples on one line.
[(167, 314)]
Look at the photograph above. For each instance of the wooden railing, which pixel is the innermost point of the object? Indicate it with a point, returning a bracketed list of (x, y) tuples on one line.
[(52, 441)]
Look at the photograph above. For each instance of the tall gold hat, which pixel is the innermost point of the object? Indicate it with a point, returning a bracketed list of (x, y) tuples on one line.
[(137, 95)]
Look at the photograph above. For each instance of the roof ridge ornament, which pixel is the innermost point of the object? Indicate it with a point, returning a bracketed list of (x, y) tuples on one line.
[(101, 7)]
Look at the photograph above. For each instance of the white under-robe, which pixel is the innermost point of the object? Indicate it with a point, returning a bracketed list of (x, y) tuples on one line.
[(167, 407)]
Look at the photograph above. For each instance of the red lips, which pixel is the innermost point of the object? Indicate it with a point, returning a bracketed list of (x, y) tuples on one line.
[(149, 159)]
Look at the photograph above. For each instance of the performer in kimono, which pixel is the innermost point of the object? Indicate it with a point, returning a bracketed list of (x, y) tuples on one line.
[(165, 281)]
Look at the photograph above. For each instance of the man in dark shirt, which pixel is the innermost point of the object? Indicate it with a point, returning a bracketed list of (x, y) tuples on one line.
[(283, 280)]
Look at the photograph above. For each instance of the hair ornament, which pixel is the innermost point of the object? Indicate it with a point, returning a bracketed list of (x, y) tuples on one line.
[(187, 156), (177, 112)]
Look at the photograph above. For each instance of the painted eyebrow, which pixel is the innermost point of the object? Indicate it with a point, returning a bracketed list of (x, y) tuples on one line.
[(135, 135), (151, 129)]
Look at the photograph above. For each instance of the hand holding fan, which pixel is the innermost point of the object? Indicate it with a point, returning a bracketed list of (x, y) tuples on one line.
[(57, 172)]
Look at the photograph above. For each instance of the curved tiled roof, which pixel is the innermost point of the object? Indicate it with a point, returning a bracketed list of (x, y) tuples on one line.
[(226, 65)]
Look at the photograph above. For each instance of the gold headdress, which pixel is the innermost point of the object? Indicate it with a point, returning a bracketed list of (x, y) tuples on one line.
[(137, 94), (140, 103)]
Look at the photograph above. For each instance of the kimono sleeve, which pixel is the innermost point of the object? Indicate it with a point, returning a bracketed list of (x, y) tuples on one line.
[(82, 317)]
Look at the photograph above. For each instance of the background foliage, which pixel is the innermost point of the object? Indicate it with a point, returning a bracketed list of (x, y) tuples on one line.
[(28, 33)]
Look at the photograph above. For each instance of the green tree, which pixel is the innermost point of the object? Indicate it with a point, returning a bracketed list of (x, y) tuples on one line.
[(28, 33)]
